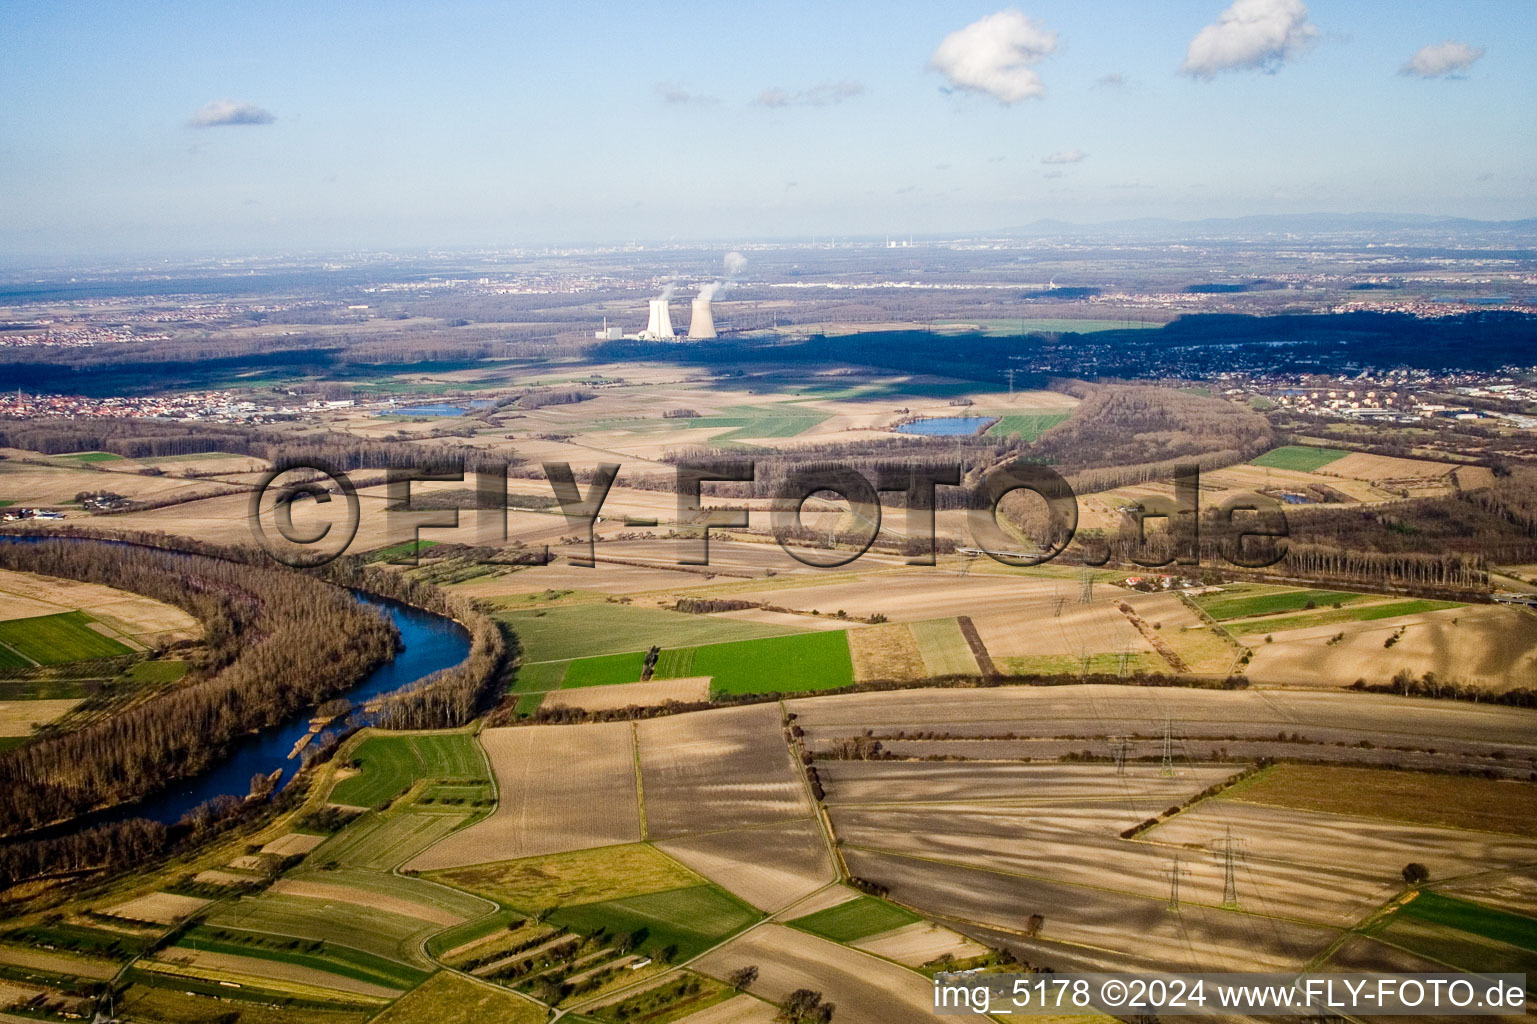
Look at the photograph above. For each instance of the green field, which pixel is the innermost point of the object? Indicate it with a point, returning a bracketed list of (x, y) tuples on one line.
[(319, 954), (605, 670), (584, 630), (595, 875), (92, 457), (382, 842), (538, 676), (55, 639), (1246, 599), (1026, 425), (9, 659), (1420, 932), (944, 648), (405, 549), (447, 998), (392, 764), (1357, 613), (157, 672), (1302, 458), (1500, 925), (689, 921), (785, 664), (859, 918), (374, 933)]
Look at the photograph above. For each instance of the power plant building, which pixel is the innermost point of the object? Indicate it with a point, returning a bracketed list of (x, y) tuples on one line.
[(659, 327), (701, 324)]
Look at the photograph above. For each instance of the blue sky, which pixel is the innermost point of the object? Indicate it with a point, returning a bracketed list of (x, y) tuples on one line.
[(395, 125)]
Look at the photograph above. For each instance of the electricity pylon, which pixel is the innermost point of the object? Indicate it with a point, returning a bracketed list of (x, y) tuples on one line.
[(1086, 593), (1166, 769), (1122, 752), (1226, 850), (1175, 873)]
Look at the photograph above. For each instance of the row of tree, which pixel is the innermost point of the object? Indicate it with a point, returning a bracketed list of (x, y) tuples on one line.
[(278, 641)]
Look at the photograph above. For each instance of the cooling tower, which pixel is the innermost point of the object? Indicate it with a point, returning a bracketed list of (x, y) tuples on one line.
[(700, 323), (660, 324)]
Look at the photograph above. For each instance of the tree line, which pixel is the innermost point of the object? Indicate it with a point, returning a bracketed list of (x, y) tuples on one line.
[(277, 641)]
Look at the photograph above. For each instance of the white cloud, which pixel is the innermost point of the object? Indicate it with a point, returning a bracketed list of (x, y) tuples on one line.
[(1066, 156), (823, 95), (995, 55), (1441, 60), (229, 112), (1251, 34), (672, 92)]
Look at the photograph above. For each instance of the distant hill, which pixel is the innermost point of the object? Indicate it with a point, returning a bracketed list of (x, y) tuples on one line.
[(1379, 225)]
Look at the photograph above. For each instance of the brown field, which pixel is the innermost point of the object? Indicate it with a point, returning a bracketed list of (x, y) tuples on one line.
[(623, 695), (1493, 646), (331, 893), (1102, 710), (19, 717), (247, 970), (1442, 800), (885, 652), (58, 484), (1198, 645), (1122, 930), (218, 876), (718, 769), (59, 963), (1279, 841), (1514, 890), (770, 867), (920, 943), (159, 907), (25, 594), (866, 989), (743, 1009), (560, 788), (293, 843), (906, 782)]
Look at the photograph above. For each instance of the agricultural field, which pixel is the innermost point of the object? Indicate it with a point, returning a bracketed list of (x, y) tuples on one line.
[(1026, 425), (1486, 805), (856, 919), (388, 765), (1302, 458), (562, 632), (57, 639), (560, 788), (1245, 600), (769, 866), (721, 769), (678, 924), (448, 998), (1463, 935), (593, 875)]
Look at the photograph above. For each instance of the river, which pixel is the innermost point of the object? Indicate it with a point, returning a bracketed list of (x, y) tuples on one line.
[(431, 642)]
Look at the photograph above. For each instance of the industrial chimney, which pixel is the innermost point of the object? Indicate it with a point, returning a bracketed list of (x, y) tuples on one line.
[(660, 324), (701, 324)]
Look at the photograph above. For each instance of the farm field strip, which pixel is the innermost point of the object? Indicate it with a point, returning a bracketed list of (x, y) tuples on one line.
[(563, 632), (560, 788), (718, 769), (391, 764), (59, 638), (769, 866), (593, 875)]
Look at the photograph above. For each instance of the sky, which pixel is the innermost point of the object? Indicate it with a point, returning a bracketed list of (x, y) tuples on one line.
[(262, 127)]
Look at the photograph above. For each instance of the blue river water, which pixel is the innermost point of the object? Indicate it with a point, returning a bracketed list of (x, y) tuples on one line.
[(945, 426), (441, 409), (431, 643)]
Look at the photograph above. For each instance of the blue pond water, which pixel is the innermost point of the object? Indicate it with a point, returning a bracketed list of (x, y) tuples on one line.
[(945, 426)]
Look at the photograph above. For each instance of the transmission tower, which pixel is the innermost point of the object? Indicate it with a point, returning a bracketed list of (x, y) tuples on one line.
[(1166, 769), (1226, 850), (1010, 372), (1122, 752), (1176, 872), (1086, 592)]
